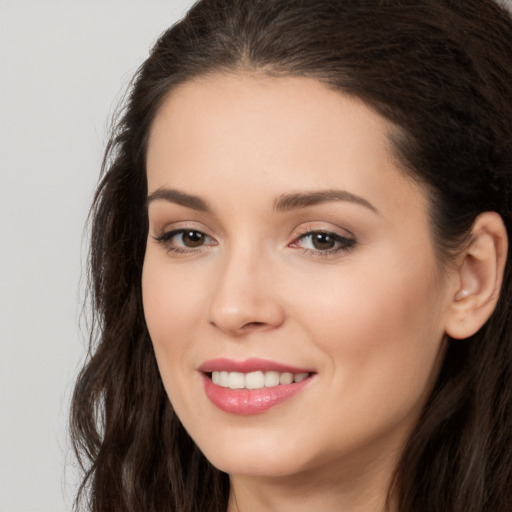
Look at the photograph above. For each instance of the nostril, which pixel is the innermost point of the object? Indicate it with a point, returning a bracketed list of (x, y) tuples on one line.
[(253, 325)]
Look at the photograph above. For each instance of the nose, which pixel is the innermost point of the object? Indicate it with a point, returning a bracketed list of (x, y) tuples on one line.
[(245, 298)]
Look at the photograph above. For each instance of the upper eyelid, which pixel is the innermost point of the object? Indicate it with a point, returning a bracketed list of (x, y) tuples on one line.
[(339, 238), (176, 231), (165, 237), (167, 227), (316, 228), (326, 232), (342, 236), (302, 230)]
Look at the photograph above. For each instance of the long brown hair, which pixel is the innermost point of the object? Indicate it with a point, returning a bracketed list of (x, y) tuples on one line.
[(440, 70)]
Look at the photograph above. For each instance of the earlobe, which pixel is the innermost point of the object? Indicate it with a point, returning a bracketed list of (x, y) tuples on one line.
[(480, 274)]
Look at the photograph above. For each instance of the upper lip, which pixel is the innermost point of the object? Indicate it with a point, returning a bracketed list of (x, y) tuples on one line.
[(249, 365)]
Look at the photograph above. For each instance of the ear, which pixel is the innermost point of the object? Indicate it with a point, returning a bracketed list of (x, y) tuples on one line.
[(479, 277)]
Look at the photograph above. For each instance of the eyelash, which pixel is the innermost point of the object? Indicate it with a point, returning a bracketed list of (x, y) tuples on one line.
[(342, 244), (166, 237)]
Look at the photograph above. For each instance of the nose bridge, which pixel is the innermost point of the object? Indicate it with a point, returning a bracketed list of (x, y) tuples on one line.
[(243, 298)]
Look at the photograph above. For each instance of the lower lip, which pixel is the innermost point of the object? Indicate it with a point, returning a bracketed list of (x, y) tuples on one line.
[(245, 402)]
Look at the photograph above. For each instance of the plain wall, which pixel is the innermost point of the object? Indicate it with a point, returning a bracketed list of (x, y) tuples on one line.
[(63, 67)]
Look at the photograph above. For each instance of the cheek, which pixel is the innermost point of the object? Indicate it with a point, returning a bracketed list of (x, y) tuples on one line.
[(172, 295), (172, 306), (382, 331), (171, 309)]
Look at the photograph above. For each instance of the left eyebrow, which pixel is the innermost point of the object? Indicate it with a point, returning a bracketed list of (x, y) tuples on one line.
[(178, 197), (293, 201)]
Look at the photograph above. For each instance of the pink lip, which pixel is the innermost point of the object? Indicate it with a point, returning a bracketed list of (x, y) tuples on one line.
[(249, 365), (245, 402)]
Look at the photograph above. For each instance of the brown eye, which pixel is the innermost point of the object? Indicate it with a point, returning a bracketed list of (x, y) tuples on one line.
[(184, 240), (192, 238), (323, 241)]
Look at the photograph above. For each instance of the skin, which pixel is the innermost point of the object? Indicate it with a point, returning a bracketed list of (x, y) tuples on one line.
[(370, 319)]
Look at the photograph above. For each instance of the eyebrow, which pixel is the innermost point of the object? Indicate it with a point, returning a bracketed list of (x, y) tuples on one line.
[(284, 203), (287, 202), (178, 197)]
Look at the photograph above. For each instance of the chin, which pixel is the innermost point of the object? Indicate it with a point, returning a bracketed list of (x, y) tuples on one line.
[(256, 454), (256, 465)]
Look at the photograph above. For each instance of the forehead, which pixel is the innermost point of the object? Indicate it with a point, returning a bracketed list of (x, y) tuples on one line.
[(261, 107), (266, 133)]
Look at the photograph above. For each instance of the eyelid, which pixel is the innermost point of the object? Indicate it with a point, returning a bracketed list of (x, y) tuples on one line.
[(344, 242), (321, 227), (170, 233), (342, 239), (165, 236), (165, 224)]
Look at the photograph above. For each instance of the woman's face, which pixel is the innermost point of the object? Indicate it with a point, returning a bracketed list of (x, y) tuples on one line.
[(291, 261)]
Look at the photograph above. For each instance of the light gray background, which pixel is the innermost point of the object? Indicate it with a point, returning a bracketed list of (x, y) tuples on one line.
[(63, 67)]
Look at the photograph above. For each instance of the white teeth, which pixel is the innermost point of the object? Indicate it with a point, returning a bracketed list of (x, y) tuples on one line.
[(224, 379), (271, 379), (255, 380), (286, 378), (236, 380)]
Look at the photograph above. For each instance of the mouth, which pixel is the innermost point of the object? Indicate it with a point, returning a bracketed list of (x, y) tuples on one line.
[(255, 380), (252, 386)]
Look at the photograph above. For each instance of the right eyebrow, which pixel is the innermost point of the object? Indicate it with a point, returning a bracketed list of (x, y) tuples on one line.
[(178, 197)]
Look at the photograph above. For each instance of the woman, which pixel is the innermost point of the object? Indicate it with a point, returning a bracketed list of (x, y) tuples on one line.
[(299, 264)]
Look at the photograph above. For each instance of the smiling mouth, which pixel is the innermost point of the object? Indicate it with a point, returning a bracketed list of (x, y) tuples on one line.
[(256, 379), (254, 385)]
